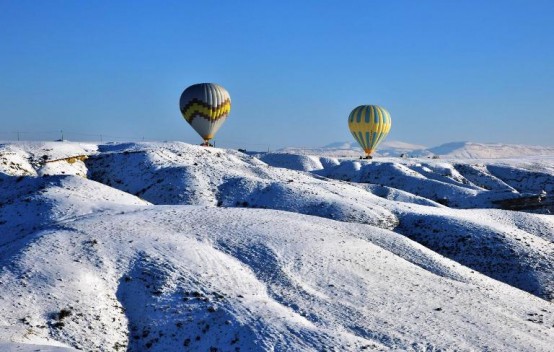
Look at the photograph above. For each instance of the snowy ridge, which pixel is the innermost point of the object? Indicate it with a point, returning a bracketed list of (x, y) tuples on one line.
[(168, 246), (454, 150), (44, 158), (352, 149), (471, 150)]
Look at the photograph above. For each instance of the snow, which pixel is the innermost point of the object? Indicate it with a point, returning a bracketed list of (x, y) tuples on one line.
[(169, 246), (452, 150), (44, 158), (471, 150)]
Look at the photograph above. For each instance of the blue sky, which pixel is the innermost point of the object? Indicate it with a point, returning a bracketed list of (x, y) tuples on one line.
[(445, 70)]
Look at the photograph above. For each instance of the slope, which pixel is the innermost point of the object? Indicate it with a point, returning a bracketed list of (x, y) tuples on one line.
[(93, 266), (203, 277), (401, 195)]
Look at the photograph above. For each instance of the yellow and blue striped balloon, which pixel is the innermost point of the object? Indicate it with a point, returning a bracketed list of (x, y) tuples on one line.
[(369, 124)]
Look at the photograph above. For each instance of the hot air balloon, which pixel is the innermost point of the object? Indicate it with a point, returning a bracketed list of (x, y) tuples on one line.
[(205, 106), (369, 124)]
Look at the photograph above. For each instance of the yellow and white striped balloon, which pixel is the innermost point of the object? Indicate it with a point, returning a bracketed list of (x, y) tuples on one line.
[(205, 106), (369, 124)]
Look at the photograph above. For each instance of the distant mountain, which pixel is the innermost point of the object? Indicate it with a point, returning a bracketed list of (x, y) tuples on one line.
[(396, 148), (342, 145), (472, 150), (352, 149), (465, 150)]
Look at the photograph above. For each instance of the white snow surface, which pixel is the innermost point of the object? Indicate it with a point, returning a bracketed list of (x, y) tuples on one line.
[(472, 150), (170, 247), (352, 149), (465, 150), (44, 158)]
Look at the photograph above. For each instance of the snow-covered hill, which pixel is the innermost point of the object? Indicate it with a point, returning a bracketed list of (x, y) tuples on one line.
[(471, 150), (454, 150), (352, 149), (169, 246)]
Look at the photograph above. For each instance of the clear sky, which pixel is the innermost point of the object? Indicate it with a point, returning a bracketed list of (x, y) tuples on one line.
[(445, 70)]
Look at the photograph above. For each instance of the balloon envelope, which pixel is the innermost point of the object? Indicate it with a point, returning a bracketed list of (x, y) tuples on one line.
[(205, 106), (369, 124)]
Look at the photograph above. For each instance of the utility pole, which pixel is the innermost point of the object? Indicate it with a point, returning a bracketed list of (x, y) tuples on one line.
[(62, 135), (18, 136)]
